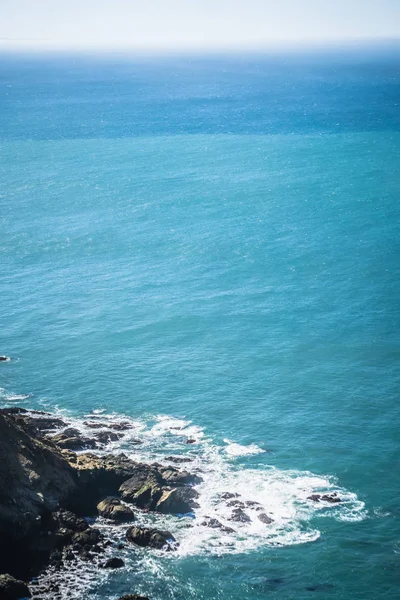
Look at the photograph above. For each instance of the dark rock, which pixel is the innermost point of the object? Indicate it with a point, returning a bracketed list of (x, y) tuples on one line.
[(240, 516), (332, 498), (13, 589), (88, 538), (237, 503), (215, 524), (70, 432), (101, 476), (113, 509), (175, 501), (73, 442), (123, 426), (174, 477), (153, 538), (228, 495), (253, 504), (35, 479), (4, 358), (68, 520), (179, 459), (105, 437), (144, 488), (114, 563), (190, 441), (265, 518)]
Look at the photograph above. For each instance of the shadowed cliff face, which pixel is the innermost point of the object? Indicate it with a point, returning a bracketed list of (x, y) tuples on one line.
[(34, 480)]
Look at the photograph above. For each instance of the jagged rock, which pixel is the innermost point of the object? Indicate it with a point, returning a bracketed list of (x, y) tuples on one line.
[(88, 538), (67, 519), (332, 498), (74, 441), (101, 476), (113, 509), (253, 504), (228, 495), (215, 524), (176, 501), (4, 358), (35, 479), (70, 432), (144, 487), (105, 437), (240, 516), (174, 477), (179, 459), (13, 589), (113, 563), (265, 518), (153, 538), (237, 503)]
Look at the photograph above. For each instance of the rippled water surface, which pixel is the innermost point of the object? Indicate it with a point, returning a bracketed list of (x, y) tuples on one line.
[(209, 247)]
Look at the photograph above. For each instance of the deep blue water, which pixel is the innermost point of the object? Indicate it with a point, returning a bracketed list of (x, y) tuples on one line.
[(215, 240)]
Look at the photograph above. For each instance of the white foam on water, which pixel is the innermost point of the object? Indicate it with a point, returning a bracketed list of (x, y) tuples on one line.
[(280, 495), (234, 449)]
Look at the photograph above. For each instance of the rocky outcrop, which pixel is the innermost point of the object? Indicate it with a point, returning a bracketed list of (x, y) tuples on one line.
[(239, 516), (264, 518), (35, 480), (13, 589), (152, 538), (331, 498), (46, 489), (165, 490), (113, 509), (113, 563)]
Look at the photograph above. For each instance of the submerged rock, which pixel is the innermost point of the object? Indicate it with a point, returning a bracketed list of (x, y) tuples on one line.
[(105, 437), (264, 518), (113, 509), (152, 538), (13, 589), (114, 563), (240, 516), (228, 495), (332, 498), (215, 524), (179, 459)]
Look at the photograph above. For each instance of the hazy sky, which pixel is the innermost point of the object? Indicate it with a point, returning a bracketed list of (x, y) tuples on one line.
[(191, 24)]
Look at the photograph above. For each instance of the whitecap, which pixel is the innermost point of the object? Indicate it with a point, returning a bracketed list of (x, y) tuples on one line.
[(234, 449)]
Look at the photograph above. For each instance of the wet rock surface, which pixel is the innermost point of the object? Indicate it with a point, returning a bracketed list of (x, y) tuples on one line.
[(240, 516), (331, 498), (152, 538), (113, 563), (55, 488), (113, 509)]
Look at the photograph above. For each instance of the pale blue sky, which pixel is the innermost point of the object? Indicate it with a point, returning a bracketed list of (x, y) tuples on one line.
[(191, 24)]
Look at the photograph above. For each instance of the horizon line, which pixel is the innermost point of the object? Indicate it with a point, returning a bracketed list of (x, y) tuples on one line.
[(271, 46)]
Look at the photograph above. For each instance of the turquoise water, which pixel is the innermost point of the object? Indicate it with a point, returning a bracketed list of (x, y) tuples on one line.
[(213, 244)]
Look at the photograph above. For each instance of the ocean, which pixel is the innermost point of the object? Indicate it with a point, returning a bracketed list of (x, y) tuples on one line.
[(209, 247)]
